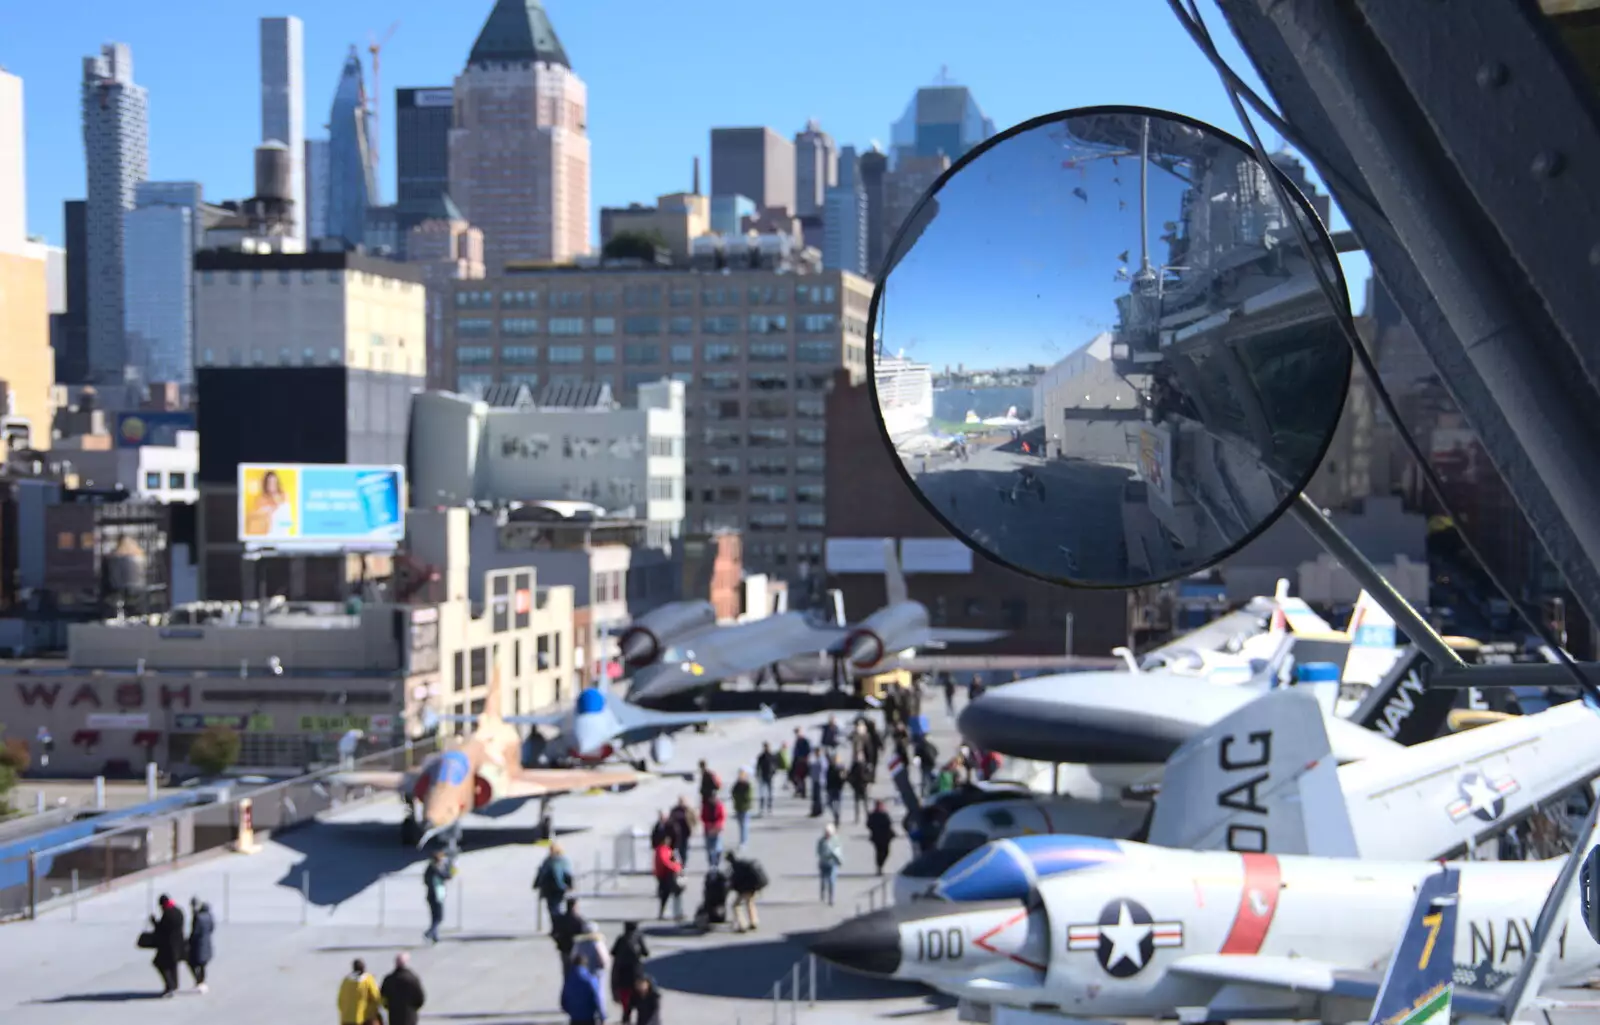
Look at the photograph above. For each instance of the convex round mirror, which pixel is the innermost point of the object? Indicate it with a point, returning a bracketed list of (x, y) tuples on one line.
[(1100, 352)]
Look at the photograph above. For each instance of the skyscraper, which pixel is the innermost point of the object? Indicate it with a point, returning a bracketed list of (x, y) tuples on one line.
[(941, 120), (816, 169), (116, 144), (519, 151), (26, 367), (754, 162), (352, 173), (316, 165), (422, 141), (844, 221), (70, 332), (162, 232), (283, 104), (872, 168)]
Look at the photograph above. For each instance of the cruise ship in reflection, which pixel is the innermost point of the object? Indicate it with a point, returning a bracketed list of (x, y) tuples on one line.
[(905, 396)]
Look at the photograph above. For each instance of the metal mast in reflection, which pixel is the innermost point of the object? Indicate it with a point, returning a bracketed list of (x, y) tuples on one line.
[(1144, 280)]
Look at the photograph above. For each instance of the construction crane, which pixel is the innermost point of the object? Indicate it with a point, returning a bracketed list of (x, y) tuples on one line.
[(374, 49)]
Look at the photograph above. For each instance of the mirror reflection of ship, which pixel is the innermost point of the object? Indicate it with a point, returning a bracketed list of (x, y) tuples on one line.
[(905, 401)]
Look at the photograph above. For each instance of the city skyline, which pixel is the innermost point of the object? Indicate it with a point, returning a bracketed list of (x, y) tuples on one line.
[(633, 112)]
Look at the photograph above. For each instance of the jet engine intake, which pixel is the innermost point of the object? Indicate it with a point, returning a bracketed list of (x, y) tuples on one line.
[(488, 786), (863, 649), (646, 640)]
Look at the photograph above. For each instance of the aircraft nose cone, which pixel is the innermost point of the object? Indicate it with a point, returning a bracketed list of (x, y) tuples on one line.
[(635, 647), (869, 944)]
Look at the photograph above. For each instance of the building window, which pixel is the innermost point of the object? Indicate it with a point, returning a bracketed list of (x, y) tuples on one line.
[(723, 466), (520, 327), (458, 675), (769, 466), (642, 325), (208, 359), (606, 300), (480, 667), (605, 354), (474, 327), (531, 380), (813, 295), (817, 352), (641, 297), (769, 409), (767, 380), (309, 356), (719, 325), (682, 297), (721, 409), (813, 436), (566, 353), (284, 358), (719, 352), (681, 325), (568, 300), (177, 481), (769, 494), (723, 437), (809, 493), (663, 489), (719, 380), (473, 385), (769, 437), (768, 295), (769, 352), (681, 353), (519, 355), (474, 300), (633, 379), (474, 355), (769, 522), (810, 408), (519, 300), (724, 296), (818, 323), (605, 326), (641, 354), (566, 325), (767, 323), (812, 382), (808, 464), (152, 482), (811, 519)]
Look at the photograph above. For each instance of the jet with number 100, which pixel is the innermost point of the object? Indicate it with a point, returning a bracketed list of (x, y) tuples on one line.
[(1095, 928)]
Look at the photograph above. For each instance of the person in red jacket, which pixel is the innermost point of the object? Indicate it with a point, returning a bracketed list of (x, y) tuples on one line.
[(713, 817), (668, 870)]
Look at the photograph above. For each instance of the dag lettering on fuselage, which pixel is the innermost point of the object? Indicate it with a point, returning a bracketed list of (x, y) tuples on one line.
[(1246, 759)]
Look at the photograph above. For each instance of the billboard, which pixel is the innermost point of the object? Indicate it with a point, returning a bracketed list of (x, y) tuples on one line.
[(135, 430), (330, 506), (854, 554)]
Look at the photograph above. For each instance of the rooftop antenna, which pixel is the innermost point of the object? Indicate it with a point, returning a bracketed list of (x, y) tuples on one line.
[(943, 78), (697, 176)]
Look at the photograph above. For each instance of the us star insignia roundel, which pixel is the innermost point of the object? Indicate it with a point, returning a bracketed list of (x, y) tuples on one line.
[(1480, 796), (1125, 938)]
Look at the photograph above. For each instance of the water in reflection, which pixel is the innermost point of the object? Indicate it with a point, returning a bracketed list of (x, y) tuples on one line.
[(1188, 372)]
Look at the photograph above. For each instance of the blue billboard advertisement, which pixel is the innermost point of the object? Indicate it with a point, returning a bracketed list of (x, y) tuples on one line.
[(135, 430), (300, 505)]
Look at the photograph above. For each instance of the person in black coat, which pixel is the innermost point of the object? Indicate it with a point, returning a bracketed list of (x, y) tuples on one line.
[(881, 830), (402, 992), (171, 946), (646, 1001), (201, 926), (628, 955)]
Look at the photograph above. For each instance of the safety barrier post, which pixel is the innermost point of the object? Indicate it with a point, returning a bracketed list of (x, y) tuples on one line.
[(74, 895), (227, 897), (305, 895), (794, 994), (461, 905), (383, 897), (777, 1005), (33, 885), (811, 961)]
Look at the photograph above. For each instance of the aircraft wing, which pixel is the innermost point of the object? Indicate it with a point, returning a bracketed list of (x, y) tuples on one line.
[(1307, 975), (940, 636), (552, 719), (377, 779), (1215, 636), (549, 782), (633, 718)]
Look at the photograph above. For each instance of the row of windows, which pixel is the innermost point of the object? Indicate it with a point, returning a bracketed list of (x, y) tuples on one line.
[(650, 354), (763, 380), (640, 297), (307, 357), (755, 323), (175, 481), (765, 465), (805, 407), (764, 437), (475, 384), (810, 494), (665, 489), (305, 277), (778, 520)]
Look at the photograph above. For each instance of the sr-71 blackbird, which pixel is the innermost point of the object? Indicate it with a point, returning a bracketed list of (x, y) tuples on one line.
[(680, 648)]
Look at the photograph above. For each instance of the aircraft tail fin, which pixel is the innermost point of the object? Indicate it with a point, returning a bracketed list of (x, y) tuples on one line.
[(1402, 706), (1420, 982), (1263, 780), (1280, 619), (836, 603), (1372, 649), (493, 709), (894, 581)]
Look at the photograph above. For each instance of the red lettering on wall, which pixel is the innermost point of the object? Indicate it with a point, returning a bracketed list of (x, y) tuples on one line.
[(129, 695), (175, 697), (39, 694), (85, 696)]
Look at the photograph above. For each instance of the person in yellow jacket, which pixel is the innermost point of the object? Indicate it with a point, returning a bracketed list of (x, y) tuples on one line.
[(360, 1000)]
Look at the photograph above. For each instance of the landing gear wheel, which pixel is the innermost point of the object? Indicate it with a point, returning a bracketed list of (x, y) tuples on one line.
[(640, 765), (410, 832)]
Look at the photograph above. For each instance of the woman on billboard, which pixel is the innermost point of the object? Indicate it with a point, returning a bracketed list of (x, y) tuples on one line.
[(271, 508)]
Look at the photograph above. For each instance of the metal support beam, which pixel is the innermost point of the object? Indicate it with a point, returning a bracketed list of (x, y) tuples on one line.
[(1332, 84), (1391, 601)]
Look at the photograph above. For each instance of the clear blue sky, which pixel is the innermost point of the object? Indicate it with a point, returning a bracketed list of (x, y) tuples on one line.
[(660, 76)]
